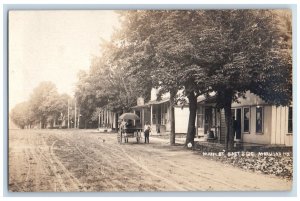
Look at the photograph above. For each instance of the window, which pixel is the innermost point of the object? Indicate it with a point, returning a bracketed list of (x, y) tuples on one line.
[(246, 120), (213, 117), (259, 119), (290, 120), (200, 117)]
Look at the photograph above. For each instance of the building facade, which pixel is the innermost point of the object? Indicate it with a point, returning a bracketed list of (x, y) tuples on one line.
[(256, 121), (157, 114)]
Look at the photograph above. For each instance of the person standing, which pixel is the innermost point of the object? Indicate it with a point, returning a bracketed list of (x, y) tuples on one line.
[(236, 129), (147, 130)]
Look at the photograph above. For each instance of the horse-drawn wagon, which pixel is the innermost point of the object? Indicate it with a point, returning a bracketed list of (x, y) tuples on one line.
[(127, 130)]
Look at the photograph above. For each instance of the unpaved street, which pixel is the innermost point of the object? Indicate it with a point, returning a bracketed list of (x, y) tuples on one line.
[(81, 160)]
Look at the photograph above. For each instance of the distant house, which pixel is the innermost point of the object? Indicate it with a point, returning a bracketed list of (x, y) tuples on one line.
[(257, 121), (157, 114), (108, 119)]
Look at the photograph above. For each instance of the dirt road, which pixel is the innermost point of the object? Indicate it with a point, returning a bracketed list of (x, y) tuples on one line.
[(78, 160)]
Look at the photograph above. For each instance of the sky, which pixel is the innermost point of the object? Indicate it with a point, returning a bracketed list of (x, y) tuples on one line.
[(53, 46)]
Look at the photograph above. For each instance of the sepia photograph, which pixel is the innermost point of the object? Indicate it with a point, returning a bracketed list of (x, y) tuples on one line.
[(150, 100)]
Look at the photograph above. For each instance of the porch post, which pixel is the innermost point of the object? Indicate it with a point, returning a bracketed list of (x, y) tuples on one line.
[(134, 120), (107, 118), (151, 113), (142, 117)]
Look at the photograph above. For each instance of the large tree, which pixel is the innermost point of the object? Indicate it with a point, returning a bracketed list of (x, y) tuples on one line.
[(163, 46), (22, 116), (44, 106), (44, 103), (226, 51), (246, 50), (61, 109), (109, 84)]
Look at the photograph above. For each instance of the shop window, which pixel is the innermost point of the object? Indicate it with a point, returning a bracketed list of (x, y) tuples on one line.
[(200, 115), (246, 120), (259, 119)]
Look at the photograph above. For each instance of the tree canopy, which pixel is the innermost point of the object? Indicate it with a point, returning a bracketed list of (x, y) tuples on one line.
[(198, 51), (45, 105)]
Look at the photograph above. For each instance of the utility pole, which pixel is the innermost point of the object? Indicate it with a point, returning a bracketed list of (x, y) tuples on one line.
[(99, 120), (75, 116), (79, 115), (68, 114)]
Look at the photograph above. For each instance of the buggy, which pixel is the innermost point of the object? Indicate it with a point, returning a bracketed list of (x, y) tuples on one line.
[(125, 132)]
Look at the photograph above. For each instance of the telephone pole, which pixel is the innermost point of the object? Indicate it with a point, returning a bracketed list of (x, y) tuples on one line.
[(99, 120), (79, 115)]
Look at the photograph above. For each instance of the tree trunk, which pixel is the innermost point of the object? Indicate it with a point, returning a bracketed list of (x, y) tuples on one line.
[(172, 116), (192, 118), (228, 119)]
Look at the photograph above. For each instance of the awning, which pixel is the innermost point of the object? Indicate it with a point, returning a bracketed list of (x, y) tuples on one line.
[(154, 102), (158, 102), (140, 106)]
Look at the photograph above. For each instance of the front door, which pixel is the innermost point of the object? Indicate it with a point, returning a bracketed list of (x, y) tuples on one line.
[(237, 122), (200, 120), (207, 119)]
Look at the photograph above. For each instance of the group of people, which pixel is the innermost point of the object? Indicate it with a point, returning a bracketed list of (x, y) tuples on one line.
[(127, 124)]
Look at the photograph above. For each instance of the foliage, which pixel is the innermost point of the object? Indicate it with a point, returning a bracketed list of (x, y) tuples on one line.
[(21, 115), (197, 51), (45, 105), (246, 50), (226, 51), (160, 47), (109, 83)]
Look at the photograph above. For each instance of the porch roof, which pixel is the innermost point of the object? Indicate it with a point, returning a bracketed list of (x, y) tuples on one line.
[(140, 106), (154, 102)]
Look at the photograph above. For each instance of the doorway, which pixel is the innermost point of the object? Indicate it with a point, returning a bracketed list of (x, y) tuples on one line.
[(237, 122)]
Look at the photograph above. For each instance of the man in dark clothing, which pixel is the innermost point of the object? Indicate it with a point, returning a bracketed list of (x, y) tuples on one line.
[(236, 128)]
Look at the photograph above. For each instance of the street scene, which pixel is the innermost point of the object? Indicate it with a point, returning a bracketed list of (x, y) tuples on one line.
[(150, 100), (88, 161)]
